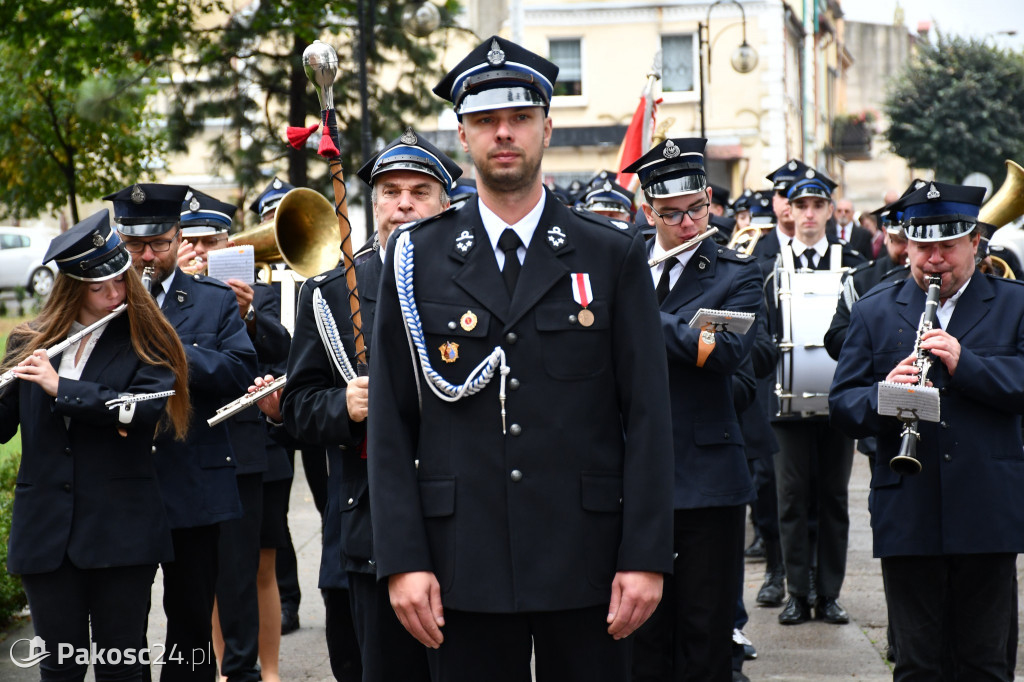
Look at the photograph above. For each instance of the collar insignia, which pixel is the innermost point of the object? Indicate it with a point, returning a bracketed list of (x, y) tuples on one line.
[(464, 242), (556, 237), (621, 225)]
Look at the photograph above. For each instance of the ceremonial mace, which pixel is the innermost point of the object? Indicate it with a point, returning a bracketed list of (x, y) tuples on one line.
[(320, 63)]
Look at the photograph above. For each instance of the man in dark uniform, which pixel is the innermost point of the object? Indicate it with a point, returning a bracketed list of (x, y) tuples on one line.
[(197, 477), (204, 228), (520, 452), (781, 178), (947, 537), (689, 637), (814, 460), (409, 180), (605, 196)]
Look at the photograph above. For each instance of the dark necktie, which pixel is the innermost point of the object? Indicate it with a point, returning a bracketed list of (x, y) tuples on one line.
[(808, 258), (666, 275), (509, 243)]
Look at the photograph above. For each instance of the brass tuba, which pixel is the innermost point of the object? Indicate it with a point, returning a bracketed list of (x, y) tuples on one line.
[(746, 239), (1008, 203), (304, 234)]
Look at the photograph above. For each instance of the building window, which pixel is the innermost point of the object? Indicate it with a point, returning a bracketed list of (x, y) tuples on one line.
[(567, 54), (677, 56)]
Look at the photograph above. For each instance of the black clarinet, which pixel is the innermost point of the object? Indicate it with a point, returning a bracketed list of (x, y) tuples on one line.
[(906, 462)]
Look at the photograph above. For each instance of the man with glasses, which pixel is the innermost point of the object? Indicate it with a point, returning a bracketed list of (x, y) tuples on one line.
[(689, 637), (197, 476)]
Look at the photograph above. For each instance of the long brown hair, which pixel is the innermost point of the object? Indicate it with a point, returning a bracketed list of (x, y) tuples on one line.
[(153, 338)]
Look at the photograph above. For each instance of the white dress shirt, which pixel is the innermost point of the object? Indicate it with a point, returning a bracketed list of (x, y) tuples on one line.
[(524, 228)]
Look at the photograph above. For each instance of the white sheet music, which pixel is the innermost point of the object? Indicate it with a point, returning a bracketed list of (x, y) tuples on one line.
[(908, 402), (234, 262)]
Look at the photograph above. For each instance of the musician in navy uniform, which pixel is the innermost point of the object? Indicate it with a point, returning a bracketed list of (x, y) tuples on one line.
[(89, 528), (608, 198), (689, 636), (520, 462), (782, 178), (947, 536), (197, 477), (409, 179), (237, 617), (814, 460)]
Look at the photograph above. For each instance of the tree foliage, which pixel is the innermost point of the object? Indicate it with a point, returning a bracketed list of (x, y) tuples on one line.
[(958, 107), (78, 76)]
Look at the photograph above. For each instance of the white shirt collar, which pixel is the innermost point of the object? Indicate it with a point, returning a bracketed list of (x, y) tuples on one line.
[(820, 247), (783, 238), (165, 286), (524, 228)]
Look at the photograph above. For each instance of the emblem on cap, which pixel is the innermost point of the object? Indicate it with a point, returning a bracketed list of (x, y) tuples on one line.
[(671, 150), (464, 242), (607, 187), (449, 351), (810, 173), (193, 205), (277, 183), (496, 57), (792, 165), (604, 175), (408, 137), (933, 192), (138, 196), (97, 239), (556, 237)]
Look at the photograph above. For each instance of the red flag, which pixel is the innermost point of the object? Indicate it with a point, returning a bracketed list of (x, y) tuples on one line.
[(638, 135)]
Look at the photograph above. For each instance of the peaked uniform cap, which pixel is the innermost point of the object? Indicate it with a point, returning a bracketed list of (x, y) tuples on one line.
[(761, 210), (498, 74), (412, 152), (742, 202), (939, 211), (812, 184), (147, 210), (90, 250), (464, 189), (604, 194), (673, 168), (786, 174), (270, 197), (719, 195), (204, 216)]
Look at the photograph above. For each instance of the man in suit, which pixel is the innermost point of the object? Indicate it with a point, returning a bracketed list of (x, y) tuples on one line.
[(519, 455), (689, 636), (947, 536), (409, 180), (204, 228), (812, 468), (847, 230), (197, 476)]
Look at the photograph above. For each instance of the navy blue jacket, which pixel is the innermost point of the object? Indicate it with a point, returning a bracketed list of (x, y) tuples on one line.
[(84, 490), (710, 462), (197, 477), (579, 486), (966, 500)]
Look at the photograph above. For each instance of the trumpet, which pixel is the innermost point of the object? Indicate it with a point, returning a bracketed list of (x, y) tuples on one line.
[(906, 462), (246, 401), (9, 376), (682, 247)]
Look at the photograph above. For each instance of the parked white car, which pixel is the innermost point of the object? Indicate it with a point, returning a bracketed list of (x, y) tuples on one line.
[(21, 259)]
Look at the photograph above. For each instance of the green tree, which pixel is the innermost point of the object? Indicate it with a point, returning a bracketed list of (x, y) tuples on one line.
[(74, 116), (249, 71), (958, 107)]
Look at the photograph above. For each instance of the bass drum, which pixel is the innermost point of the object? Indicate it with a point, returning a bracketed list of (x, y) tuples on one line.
[(807, 302)]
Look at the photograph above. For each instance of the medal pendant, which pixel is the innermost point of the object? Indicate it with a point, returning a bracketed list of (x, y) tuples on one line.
[(585, 317)]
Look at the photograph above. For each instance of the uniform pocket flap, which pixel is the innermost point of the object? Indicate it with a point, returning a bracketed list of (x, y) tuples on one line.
[(437, 496), (454, 320), (601, 492), (717, 433)]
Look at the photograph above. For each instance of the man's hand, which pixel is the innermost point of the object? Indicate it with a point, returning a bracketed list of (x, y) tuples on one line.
[(416, 599), (905, 372), (243, 294), (269, 404), (944, 347), (187, 259), (635, 594), (357, 398)]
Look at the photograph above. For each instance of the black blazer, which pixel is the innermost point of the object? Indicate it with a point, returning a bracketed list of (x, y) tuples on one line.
[(84, 490)]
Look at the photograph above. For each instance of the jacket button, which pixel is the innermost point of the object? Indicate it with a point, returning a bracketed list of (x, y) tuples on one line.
[(452, 325), (67, 487), (371, 562), (515, 429), (154, 449), (351, 500), (944, 425), (726, 435), (511, 338), (67, 451), (947, 457), (572, 319), (228, 459), (513, 384), (516, 475), (78, 400)]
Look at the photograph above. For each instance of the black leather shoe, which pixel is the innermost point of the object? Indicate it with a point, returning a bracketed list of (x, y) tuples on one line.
[(774, 587), (755, 552), (738, 676), (830, 611), (798, 610), (289, 620)]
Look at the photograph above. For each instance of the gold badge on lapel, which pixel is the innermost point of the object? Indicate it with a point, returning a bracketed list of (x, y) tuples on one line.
[(468, 321), (449, 351)]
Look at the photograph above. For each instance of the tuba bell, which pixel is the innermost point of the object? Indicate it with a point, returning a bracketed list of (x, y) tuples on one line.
[(304, 234), (1007, 204), (744, 240)]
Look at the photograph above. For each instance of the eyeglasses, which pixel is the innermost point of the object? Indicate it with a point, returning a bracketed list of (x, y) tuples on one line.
[(676, 217), (208, 242), (158, 246)]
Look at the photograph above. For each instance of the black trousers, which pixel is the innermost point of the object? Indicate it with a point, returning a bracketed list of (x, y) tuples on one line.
[(114, 601), (314, 463), (689, 636), (342, 647), (570, 646), (812, 470), (387, 650), (961, 601), (766, 506), (237, 599), (189, 585)]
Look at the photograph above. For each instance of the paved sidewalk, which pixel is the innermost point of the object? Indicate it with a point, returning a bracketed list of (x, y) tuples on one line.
[(812, 652)]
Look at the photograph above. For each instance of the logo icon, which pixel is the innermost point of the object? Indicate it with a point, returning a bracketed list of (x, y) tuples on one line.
[(36, 652)]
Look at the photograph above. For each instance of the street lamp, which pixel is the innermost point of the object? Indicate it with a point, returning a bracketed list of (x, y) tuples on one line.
[(744, 57)]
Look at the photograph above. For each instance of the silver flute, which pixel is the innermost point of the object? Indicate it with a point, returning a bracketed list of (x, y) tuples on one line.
[(246, 401), (9, 376), (682, 247)]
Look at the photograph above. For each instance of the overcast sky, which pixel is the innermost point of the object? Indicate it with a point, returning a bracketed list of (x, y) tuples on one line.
[(961, 17)]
